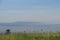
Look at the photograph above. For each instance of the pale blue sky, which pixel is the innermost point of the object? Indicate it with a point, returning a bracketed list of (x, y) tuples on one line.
[(30, 10)]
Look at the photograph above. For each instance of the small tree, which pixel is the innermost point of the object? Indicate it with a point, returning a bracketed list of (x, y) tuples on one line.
[(8, 31)]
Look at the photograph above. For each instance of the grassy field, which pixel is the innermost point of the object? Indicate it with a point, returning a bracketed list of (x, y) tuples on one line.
[(30, 37)]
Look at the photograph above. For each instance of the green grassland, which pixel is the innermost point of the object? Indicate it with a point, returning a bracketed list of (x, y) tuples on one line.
[(30, 37)]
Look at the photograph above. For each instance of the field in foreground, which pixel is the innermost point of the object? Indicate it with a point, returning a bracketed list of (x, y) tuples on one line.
[(30, 37)]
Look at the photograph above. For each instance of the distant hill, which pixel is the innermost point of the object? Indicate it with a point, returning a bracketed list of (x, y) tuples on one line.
[(29, 26), (21, 24), (37, 24)]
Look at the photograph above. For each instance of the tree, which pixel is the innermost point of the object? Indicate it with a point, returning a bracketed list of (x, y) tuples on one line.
[(8, 31)]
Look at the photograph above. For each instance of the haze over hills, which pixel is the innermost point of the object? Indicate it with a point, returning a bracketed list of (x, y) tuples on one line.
[(29, 27)]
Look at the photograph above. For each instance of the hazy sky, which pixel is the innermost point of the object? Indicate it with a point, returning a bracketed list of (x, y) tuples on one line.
[(30, 10)]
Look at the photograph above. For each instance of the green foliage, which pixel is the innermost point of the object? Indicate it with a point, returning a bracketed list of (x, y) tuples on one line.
[(30, 37), (8, 31)]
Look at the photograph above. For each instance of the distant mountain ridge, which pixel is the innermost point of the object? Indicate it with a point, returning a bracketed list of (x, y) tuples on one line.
[(33, 26), (27, 24), (20, 24)]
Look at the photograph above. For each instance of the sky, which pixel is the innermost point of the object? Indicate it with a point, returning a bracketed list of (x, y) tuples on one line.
[(47, 11)]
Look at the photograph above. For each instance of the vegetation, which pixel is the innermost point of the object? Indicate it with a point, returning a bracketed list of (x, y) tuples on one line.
[(29, 36), (22, 36), (8, 31)]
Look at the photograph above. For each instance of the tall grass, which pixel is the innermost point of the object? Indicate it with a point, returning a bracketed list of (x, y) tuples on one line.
[(23, 36)]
